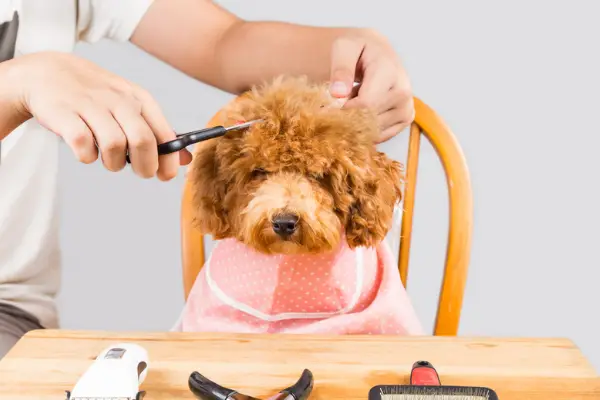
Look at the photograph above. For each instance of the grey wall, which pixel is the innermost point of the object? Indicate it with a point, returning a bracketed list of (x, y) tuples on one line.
[(518, 83)]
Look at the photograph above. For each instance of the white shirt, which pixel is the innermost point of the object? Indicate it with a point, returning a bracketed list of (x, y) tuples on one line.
[(29, 236)]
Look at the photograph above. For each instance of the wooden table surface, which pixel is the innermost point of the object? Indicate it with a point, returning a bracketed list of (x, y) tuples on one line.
[(46, 363)]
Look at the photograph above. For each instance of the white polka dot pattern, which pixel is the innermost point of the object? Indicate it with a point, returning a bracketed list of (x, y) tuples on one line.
[(299, 286)]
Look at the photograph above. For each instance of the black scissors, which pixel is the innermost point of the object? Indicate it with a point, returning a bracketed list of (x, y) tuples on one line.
[(186, 139)]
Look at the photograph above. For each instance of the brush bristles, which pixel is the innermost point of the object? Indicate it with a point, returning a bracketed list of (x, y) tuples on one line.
[(434, 393), (430, 397)]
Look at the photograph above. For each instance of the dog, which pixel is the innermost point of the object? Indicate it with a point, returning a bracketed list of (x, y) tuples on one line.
[(299, 205)]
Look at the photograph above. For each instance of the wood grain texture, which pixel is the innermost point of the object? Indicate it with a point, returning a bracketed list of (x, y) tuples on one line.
[(46, 363), (192, 240), (460, 211), (408, 201)]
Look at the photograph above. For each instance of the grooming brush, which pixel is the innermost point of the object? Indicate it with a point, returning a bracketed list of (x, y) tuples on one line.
[(425, 385), (205, 389), (116, 374)]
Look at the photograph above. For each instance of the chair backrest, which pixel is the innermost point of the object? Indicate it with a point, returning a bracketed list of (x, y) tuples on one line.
[(428, 124)]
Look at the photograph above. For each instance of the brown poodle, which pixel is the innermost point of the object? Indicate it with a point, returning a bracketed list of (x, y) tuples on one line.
[(299, 180), (300, 204)]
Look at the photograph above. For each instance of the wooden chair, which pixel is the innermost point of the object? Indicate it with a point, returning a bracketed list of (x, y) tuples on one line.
[(427, 123)]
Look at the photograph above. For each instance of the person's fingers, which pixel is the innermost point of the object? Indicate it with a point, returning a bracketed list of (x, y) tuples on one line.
[(402, 84), (407, 110), (401, 111), (396, 98), (390, 118), (392, 131), (73, 130), (141, 142), (345, 54), (378, 80), (109, 136), (168, 163), (402, 91), (185, 157)]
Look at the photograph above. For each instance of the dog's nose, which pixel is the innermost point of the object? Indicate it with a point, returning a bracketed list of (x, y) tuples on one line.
[(285, 224)]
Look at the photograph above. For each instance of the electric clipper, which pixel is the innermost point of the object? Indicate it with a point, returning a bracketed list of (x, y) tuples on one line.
[(116, 374)]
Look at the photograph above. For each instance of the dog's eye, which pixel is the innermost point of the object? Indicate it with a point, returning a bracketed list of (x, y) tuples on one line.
[(258, 172)]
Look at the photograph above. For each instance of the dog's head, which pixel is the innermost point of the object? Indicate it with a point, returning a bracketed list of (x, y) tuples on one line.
[(301, 180)]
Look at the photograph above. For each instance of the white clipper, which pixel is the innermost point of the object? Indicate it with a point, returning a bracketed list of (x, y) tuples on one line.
[(116, 374)]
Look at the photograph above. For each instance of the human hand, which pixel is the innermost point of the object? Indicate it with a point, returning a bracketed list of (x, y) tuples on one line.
[(95, 111), (383, 83)]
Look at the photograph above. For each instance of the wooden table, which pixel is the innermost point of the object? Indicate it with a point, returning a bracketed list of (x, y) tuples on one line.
[(46, 363)]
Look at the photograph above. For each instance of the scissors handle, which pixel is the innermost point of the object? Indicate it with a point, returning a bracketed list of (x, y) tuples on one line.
[(185, 139)]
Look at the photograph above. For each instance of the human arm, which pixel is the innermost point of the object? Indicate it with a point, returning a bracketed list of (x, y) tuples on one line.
[(90, 108), (214, 46), (12, 114)]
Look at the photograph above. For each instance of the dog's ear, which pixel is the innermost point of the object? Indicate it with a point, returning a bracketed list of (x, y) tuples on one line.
[(375, 191), (209, 189)]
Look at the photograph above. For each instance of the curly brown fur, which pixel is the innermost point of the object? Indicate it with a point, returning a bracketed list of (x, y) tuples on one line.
[(306, 158)]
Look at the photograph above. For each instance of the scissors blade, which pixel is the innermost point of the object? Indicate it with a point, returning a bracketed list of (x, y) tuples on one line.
[(243, 125), (229, 128)]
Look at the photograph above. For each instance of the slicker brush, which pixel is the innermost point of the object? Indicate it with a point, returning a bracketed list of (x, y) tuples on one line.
[(425, 385)]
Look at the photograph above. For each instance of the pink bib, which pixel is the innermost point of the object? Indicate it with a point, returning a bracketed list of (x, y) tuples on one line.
[(341, 292)]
